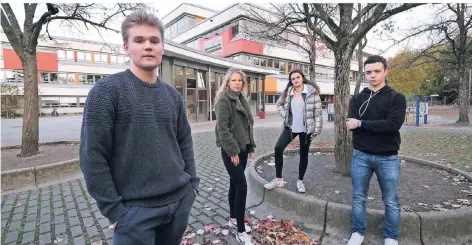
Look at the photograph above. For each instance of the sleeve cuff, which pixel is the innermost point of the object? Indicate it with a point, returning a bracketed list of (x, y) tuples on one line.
[(195, 182), (116, 213)]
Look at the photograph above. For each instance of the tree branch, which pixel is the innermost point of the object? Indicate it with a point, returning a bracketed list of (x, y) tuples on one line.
[(333, 27), (362, 13), (13, 22), (360, 32), (83, 20), (15, 41), (327, 40), (30, 10), (406, 6)]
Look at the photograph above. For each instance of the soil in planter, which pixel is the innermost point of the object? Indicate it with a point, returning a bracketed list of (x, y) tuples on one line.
[(47, 154), (421, 188)]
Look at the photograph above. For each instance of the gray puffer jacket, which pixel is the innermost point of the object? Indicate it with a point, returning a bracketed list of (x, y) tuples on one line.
[(313, 114)]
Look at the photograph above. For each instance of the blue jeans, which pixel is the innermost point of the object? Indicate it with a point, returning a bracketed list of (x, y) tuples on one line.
[(387, 169)]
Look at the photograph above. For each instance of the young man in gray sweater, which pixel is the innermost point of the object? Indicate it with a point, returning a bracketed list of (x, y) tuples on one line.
[(136, 150)]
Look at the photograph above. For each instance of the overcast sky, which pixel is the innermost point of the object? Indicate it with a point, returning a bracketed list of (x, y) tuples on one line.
[(403, 20)]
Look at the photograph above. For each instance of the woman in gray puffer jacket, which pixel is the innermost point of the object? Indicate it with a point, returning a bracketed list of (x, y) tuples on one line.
[(300, 107)]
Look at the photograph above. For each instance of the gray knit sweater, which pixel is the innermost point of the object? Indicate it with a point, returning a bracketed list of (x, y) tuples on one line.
[(136, 146)]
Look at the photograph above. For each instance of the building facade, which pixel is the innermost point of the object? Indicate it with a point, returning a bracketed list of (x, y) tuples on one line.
[(68, 68), (223, 34)]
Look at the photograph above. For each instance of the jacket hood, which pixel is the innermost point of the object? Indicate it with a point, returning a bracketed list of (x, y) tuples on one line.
[(308, 89), (382, 90)]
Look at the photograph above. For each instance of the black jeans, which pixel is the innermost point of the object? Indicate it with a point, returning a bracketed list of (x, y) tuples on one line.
[(156, 225), (284, 139), (237, 187)]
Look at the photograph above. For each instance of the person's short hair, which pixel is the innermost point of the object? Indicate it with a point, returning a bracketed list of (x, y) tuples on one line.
[(374, 59), (141, 18)]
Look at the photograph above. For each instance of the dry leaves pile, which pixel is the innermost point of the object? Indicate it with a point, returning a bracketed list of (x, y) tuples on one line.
[(266, 232)]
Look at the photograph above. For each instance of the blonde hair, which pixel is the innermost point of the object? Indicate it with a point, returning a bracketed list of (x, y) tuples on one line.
[(224, 84), (140, 18)]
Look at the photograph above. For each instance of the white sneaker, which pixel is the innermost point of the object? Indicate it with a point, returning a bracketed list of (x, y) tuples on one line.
[(274, 183), (244, 238), (356, 239), (390, 241), (233, 223), (300, 186)]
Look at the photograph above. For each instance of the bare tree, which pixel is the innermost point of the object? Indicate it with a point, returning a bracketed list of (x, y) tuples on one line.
[(340, 31), (258, 27), (25, 41), (448, 45)]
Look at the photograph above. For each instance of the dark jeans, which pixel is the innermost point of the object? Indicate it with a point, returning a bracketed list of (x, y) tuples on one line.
[(387, 169), (284, 139), (154, 226), (237, 187)]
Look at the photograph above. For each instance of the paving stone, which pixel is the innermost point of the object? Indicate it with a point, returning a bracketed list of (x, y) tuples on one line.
[(76, 230), (85, 213), (11, 236), (72, 213), (45, 218), (62, 239), (60, 219), (104, 223), (204, 219), (108, 233), (17, 217), (28, 237), (15, 225), (92, 231), (60, 229), (30, 226), (44, 228), (45, 239)]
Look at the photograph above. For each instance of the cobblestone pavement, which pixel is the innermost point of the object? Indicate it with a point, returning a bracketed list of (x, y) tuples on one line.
[(66, 214)]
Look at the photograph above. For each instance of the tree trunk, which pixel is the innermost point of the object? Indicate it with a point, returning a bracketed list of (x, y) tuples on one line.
[(463, 96), (312, 65), (30, 137), (360, 60), (343, 142)]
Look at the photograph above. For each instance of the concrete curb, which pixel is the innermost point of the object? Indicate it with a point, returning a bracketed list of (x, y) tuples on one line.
[(34, 176), (446, 227), (42, 144)]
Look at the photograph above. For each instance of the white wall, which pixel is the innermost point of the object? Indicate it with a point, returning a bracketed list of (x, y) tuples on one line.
[(189, 9), (89, 69), (209, 24)]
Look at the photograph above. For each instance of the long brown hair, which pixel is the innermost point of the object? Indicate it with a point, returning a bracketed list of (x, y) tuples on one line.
[(305, 81)]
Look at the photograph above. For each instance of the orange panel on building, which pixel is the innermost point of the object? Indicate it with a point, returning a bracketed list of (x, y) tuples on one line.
[(45, 61), (270, 85), (223, 46), (199, 19)]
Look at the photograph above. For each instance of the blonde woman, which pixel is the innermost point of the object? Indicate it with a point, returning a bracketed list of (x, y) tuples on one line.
[(234, 134), (300, 107)]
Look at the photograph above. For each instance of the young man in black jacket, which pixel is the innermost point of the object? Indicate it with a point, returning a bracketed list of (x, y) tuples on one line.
[(375, 117)]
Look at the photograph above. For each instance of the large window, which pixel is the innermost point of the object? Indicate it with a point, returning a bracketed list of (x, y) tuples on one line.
[(235, 30), (272, 99), (178, 76), (65, 55), (14, 76)]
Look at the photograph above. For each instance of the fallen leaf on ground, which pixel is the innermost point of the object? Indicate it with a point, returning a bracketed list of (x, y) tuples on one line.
[(209, 227)]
